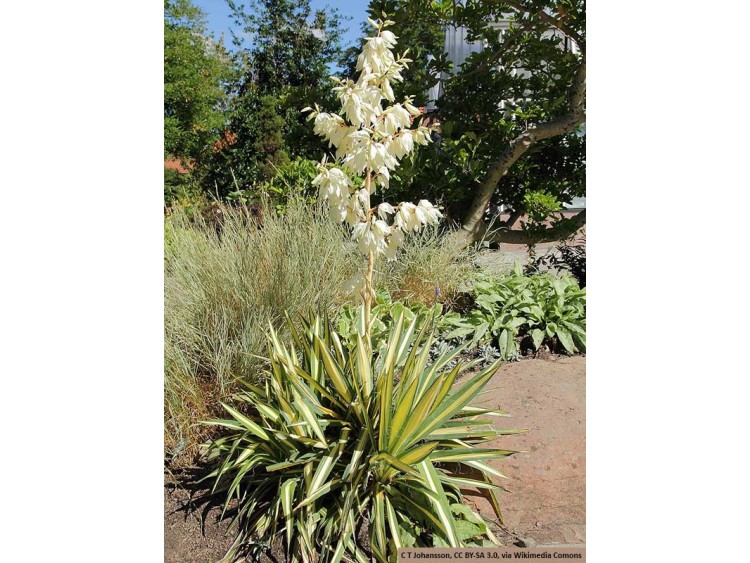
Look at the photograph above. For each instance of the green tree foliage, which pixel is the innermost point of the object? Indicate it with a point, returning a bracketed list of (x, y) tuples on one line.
[(253, 148), (292, 45), (270, 147), (418, 30), (195, 71), (511, 115), (284, 52)]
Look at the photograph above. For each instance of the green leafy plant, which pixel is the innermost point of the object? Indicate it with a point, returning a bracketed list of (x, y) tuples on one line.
[(338, 439), (289, 183), (568, 256), (385, 314), (558, 311), (196, 67), (540, 205), (545, 308)]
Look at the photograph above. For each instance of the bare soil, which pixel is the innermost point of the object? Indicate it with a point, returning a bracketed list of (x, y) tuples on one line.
[(546, 499), (192, 534)]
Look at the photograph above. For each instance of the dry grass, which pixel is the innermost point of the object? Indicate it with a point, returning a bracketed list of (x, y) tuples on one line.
[(428, 260)]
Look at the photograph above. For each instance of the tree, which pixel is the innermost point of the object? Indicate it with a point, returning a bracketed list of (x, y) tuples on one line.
[(281, 69), (510, 117), (195, 71), (292, 45), (418, 30)]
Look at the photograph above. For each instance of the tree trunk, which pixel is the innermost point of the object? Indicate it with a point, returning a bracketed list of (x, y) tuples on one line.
[(473, 227)]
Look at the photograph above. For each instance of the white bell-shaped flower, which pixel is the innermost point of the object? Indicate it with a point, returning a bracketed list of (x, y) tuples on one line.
[(381, 228), (422, 135), (332, 183), (383, 177), (407, 218), (384, 210), (414, 111), (402, 143), (432, 213), (371, 236), (357, 285), (355, 207), (394, 243), (389, 39), (392, 119)]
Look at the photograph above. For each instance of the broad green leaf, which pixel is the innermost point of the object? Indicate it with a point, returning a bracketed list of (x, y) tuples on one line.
[(537, 336), (566, 339)]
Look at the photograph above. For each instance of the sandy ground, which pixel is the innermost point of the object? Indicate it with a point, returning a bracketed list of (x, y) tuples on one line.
[(546, 502)]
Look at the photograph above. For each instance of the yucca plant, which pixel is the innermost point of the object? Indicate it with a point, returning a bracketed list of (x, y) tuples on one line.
[(339, 440)]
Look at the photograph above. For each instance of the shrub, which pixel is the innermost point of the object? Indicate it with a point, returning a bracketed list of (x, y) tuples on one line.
[(290, 182), (568, 256), (338, 438), (180, 188), (546, 309)]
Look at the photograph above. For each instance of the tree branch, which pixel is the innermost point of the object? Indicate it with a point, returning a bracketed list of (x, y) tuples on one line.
[(549, 20), (560, 230)]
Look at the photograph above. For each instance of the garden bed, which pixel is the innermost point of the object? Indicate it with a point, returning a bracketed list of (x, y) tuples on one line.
[(546, 502)]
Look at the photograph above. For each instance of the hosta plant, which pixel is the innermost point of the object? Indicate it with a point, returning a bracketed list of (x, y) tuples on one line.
[(557, 311), (339, 441), (543, 307)]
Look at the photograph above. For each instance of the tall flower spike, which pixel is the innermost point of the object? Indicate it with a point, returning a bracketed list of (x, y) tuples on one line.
[(369, 141)]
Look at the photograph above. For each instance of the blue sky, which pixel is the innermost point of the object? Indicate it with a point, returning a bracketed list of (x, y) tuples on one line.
[(219, 21)]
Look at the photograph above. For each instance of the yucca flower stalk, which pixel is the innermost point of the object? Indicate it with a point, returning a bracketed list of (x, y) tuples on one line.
[(370, 140)]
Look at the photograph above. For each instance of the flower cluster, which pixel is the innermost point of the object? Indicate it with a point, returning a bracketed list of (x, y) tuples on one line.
[(370, 139)]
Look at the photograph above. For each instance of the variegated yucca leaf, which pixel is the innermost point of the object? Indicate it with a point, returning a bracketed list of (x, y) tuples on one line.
[(339, 436)]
